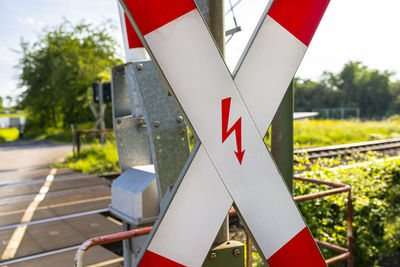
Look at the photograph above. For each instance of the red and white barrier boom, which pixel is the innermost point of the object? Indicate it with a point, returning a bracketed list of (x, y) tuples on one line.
[(230, 116)]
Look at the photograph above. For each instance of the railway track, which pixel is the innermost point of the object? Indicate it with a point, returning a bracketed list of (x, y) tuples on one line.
[(388, 147), (74, 209), (46, 213)]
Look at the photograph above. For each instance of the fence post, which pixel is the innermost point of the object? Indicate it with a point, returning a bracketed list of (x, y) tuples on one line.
[(73, 140), (78, 143), (350, 260)]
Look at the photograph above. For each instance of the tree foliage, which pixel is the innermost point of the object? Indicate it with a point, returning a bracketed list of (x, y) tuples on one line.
[(355, 86), (376, 207), (57, 72)]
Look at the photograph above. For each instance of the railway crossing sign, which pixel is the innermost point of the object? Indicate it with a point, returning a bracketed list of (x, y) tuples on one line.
[(134, 50), (229, 114)]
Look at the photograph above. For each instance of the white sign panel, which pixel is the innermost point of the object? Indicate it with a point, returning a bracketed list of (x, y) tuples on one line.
[(230, 117)]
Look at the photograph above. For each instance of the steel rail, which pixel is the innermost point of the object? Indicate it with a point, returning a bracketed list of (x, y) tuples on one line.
[(106, 239), (331, 246), (35, 256), (53, 193), (387, 142), (69, 216), (346, 253), (314, 181), (338, 258), (40, 180), (322, 194), (330, 151), (350, 145)]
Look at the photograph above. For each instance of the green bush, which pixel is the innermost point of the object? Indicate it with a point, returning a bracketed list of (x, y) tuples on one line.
[(59, 134), (376, 208), (52, 134), (96, 158)]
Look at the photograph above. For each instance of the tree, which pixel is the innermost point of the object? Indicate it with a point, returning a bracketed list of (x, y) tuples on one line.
[(365, 88), (310, 94), (355, 86), (58, 70)]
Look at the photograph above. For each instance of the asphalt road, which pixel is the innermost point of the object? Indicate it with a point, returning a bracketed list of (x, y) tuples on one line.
[(33, 196)]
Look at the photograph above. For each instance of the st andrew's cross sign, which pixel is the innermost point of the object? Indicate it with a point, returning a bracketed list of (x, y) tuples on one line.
[(230, 115)]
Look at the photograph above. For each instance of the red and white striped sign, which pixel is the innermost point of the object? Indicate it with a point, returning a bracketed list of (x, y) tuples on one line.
[(230, 117), (134, 50), (274, 56)]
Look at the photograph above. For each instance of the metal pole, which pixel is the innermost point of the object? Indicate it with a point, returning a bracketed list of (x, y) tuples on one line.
[(249, 251), (101, 112), (217, 23), (350, 260), (126, 243), (78, 143), (217, 28), (282, 137), (73, 140)]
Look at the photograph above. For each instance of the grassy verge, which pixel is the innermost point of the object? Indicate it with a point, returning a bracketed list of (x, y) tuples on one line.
[(12, 115), (55, 135), (94, 159), (58, 135), (308, 133), (311, 133), (376, 209), (8, 134), (375, 188)]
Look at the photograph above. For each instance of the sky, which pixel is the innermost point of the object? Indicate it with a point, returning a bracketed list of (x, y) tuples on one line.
[(358, 30)]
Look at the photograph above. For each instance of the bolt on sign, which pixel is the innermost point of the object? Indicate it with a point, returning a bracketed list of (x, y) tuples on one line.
[(230, 114)]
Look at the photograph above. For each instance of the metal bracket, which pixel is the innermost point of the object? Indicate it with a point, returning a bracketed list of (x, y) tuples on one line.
[(230, 253), (152, 144), (149, 130)]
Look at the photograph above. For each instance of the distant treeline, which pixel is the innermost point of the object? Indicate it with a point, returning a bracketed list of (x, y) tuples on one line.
[(355, 86)]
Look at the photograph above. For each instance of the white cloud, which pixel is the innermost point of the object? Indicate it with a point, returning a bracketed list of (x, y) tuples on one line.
[(31, 21)]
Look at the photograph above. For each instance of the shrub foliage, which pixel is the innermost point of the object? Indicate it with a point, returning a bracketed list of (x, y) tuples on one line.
[(376, 208)]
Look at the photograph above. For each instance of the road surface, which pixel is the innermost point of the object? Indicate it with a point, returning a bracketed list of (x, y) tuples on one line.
[(31, 190)]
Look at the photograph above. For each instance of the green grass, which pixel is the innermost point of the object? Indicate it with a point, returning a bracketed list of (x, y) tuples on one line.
[(95, 159), (58, 135), (375, 205), (311, 133), (54, 135), (8, 134), (376, 187), (5, 115)]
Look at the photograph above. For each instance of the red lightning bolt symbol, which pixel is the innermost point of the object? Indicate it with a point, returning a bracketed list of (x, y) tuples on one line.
[(237, 128)]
